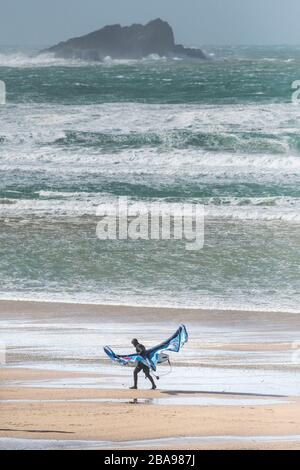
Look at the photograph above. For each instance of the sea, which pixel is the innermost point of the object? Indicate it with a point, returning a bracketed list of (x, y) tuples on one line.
[(223, 133)]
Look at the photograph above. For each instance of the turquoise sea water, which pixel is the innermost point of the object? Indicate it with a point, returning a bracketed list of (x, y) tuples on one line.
[(223, 133)]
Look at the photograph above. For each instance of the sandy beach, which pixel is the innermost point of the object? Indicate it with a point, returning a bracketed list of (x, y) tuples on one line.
[(234, 386)]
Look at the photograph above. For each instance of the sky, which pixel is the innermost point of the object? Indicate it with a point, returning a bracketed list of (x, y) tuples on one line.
[(195, 22)]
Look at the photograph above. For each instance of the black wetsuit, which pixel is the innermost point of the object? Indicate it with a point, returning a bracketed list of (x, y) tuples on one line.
[(141, 350)]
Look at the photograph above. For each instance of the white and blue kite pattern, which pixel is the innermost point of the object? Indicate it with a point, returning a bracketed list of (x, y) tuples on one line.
[(154, 355)]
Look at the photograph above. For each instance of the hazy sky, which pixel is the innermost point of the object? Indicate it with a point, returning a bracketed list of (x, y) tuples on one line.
[(195, 22)]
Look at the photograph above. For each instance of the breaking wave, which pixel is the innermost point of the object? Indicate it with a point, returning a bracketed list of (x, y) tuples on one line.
[(21, 60), (36, 60), (57, 204)]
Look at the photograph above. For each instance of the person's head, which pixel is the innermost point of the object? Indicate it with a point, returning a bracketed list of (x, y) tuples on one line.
[(134, 342)]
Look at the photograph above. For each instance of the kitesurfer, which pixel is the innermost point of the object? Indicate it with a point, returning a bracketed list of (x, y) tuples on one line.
[(141, 351)]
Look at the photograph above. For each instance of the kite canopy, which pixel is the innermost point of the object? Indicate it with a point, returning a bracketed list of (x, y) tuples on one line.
[(154, 355)]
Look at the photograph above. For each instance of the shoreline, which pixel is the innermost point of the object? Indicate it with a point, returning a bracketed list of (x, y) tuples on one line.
[(93, 306)]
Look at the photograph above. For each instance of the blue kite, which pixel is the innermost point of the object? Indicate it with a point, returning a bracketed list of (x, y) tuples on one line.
[(155, 355)]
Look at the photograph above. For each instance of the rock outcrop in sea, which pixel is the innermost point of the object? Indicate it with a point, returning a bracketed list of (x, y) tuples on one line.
[(129, 42)]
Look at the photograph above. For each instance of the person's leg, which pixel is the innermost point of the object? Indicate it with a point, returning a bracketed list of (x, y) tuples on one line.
[(137, 370), (149, 376)]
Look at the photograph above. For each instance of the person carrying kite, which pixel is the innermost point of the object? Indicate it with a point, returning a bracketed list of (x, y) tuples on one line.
[(141, 351), (147, 359)]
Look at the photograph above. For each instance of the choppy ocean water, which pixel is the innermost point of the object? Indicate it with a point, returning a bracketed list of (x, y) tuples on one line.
[(222, 133)]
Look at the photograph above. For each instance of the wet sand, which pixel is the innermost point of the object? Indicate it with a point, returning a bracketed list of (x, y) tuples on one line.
[(235, 385), (130, 419)]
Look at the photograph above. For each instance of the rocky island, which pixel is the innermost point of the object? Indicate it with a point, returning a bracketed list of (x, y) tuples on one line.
[(129, 42)]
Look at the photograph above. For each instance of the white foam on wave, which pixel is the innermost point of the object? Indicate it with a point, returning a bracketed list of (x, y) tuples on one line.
[(187, 163), (63, 194), (55, 204), (279, 214), (126, 118), (36, 137), (22, 60)]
